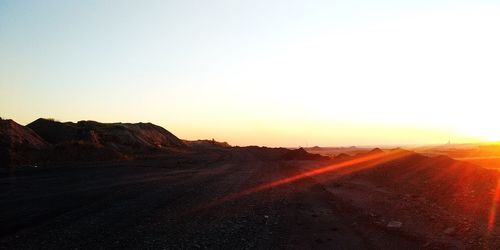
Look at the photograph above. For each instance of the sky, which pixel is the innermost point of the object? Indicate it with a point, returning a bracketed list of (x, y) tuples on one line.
[(273, 73)]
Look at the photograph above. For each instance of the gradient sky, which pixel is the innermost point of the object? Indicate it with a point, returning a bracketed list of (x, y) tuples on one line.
[(276, 73)]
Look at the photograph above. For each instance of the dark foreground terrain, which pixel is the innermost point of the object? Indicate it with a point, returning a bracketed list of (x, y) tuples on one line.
[(91, 185), (193, 202)]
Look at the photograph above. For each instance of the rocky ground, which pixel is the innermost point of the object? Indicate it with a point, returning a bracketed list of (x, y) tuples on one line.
[(435, 200), (199, 202)]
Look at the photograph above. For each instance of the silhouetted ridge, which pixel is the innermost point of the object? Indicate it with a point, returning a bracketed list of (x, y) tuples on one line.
[(48, 141), (302, 154), (376, 151), (207, 144), (126, 137), (53, 131), (342, 156)]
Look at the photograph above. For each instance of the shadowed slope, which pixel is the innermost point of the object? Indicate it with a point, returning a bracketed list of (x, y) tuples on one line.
[(17, 143), (437, 197)]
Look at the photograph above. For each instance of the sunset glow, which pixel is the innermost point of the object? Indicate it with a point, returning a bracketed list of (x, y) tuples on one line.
[(258, 124), (277, 74)]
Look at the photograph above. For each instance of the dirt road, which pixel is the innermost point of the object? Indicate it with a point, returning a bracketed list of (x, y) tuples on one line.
[(177, 205)]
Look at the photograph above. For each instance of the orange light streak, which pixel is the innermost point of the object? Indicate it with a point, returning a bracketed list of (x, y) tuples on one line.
[(372, 159), (493, 209)]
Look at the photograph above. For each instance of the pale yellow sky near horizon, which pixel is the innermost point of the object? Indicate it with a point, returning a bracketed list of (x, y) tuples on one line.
[(273, 73)]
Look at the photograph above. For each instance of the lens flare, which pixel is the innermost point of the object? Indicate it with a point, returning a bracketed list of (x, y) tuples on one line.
[(347, 167), (493, 209)]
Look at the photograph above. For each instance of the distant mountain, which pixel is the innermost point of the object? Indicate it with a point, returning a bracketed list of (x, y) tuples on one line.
[(17, 143)]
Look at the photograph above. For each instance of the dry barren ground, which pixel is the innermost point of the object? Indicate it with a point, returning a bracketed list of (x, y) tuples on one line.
[(180, 204)]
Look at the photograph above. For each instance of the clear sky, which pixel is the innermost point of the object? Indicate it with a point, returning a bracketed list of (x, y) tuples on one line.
[(276, 73)]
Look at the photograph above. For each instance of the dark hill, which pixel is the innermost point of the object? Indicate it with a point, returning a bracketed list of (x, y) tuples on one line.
[(54, 132), (277, 154), (122, 137), (201, 144), (48, 141), (302, 154), (376, 151), (342, 156)]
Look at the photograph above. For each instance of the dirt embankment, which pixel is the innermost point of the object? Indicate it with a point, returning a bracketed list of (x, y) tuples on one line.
[(19, 144), (446, 202), (47, 141), (44, 142)]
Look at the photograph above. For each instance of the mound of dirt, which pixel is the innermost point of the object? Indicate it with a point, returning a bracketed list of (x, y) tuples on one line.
[(17, 143), (302, 154), (375, 151), (438, 178), (48, 141), (11, 133), (342, 157), (261, 153), (121, 137), (207, 144), (54, 132), (276, 154), (429, 194)]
